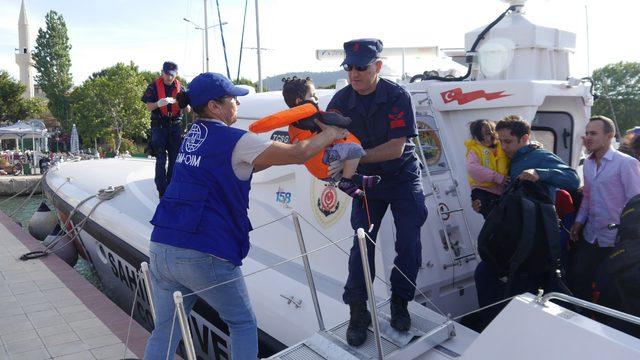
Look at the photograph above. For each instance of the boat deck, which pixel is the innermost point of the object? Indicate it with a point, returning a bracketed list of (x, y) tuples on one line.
[(49, 311)]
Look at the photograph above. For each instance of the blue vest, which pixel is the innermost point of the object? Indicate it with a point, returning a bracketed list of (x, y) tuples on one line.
[(205, 205)]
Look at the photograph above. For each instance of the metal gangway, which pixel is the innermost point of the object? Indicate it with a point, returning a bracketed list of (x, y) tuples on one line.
[(429, 328)]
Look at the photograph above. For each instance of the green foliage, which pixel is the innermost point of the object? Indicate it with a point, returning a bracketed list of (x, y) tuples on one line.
[(37, 108), (151, 76), (619, 88), (245, 81), (13, 106), (107, 105), (53, 63), (128, 145)]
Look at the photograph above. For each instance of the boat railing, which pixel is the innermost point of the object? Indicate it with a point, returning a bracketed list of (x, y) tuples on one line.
[(543, 299), (362, 237)]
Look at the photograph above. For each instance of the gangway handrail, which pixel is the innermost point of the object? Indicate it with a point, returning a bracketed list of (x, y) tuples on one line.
[(543, 299)]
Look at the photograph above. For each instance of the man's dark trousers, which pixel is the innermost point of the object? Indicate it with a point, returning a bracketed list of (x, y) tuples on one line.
[(409, 213), (166, 142), (586, 260)]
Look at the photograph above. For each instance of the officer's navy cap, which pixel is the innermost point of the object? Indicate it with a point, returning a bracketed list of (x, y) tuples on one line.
[(362, 52), (169, 67), (211, 86)]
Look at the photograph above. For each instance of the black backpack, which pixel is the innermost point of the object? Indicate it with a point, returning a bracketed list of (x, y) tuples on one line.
[(522, 233), (626, 251)]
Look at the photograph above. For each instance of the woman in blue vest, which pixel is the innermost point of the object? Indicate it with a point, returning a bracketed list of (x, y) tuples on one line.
[(201, 227)]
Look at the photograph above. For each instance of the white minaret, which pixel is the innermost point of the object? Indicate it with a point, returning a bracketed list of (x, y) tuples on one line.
[(23, 55)]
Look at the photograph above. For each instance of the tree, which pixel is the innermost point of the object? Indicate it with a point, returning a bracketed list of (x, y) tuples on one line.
[(108, 104), (245, 81), (53, 63), (151, 76), (11, 102), (619, 88), (37, 108), (13, 106)]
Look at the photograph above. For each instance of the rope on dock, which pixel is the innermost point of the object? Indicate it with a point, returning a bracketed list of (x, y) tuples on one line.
[(102, 195)]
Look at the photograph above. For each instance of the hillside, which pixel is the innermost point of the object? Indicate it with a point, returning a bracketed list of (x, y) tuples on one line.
[(321, 79)]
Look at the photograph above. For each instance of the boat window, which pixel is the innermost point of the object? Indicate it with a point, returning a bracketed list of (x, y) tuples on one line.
[(429, 142), (555, 131), (546, 137)]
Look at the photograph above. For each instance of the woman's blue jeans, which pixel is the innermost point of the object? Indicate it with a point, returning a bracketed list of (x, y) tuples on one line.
[(177, 269)]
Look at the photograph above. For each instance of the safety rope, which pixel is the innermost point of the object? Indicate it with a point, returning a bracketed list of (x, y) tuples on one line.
[(366, 207), (384, 281), (133, 307), (404, 276), (270, 222), (102, 195), (248, 275), (21, 191), (268, 267), (483, 308), (33, 190), (173, 324)]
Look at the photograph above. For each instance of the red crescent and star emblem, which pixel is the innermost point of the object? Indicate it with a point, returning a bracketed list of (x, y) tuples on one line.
[(328, 201)]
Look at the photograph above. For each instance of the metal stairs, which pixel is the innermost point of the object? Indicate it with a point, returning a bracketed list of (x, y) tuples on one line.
[(428, 330)]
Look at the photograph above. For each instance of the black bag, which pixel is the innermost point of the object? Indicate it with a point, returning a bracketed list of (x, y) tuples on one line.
[(626, 251), (522, 233)]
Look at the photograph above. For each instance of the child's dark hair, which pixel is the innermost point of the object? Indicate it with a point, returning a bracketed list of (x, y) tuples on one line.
[(295, 88), (184, 100), (476, 129)]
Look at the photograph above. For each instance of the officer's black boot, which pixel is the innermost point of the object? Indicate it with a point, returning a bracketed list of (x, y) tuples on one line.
[(358, 323), (400, 319)]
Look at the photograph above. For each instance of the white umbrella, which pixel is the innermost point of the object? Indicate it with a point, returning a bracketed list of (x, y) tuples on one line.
[(75, 144)]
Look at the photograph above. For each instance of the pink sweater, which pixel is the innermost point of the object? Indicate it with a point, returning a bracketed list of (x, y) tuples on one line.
[(483, 174)]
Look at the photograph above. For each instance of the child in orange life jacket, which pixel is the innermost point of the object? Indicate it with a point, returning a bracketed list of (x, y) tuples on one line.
[(487, 165), (297, 91)]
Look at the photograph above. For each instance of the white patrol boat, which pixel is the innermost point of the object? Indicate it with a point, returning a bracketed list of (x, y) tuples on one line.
[(517, 67)]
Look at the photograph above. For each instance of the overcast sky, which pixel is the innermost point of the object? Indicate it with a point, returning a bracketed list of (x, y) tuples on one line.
[(148, 32)]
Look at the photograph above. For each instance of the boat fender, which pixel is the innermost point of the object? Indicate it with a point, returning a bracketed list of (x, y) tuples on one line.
[(62, 246), (43, 222)]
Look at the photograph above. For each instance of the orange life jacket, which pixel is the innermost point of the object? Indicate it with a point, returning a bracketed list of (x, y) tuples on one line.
[(282, 118), (315, 165), (170, 110), (286, 117)]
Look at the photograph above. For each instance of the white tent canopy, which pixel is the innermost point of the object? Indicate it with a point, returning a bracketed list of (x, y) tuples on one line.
[(30, 128), (33, 129)]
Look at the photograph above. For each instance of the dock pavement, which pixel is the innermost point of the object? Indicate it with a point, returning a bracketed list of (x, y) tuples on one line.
[(49, 311)]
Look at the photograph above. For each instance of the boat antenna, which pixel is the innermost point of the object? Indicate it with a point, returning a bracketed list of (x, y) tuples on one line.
[(244, 22), (471, 54), (258, 40), (224, 46), (586, 20)]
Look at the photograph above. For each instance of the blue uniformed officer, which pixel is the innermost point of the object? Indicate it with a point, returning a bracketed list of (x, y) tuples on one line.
[(382, 118), (166, 117), (201, 228)]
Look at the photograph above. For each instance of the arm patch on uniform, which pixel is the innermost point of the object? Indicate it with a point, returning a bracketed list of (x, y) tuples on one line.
[(397, 123), (396, 120)]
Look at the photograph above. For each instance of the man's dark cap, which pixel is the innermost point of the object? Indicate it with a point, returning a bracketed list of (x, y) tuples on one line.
[(362, 52), (170, 68)]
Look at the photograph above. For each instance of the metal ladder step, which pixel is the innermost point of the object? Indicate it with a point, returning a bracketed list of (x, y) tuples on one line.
[(428, 330)]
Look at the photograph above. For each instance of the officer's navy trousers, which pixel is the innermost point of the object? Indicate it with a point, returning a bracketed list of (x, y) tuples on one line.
[(409, 212), (166, 143)]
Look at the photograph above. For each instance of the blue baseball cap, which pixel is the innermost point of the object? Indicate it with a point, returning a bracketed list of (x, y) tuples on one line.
[(210, 86), (170, 68), (361, 52), (635, 130)]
